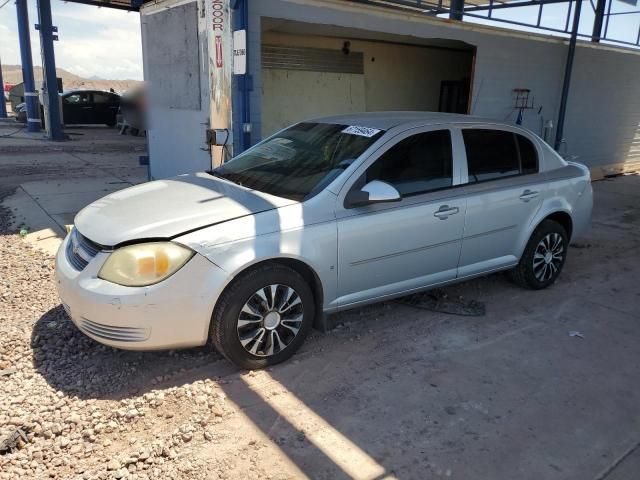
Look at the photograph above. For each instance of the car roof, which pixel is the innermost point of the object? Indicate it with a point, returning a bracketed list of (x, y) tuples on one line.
[(387, 120), (81, 90)]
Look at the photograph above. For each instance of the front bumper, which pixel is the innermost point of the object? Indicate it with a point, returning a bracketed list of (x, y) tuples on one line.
[(174, 313)]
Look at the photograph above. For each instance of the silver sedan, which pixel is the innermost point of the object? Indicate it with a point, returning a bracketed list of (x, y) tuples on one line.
[(325, 215)]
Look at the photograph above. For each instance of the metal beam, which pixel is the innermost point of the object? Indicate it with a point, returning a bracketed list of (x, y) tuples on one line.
[(567, 77), (3, 103), (498, 6), (50, 86), (598, 21), (30, 94), (457, 7), (133, 7)]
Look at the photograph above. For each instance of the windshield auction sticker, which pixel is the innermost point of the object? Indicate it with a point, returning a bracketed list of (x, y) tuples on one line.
[(362, 131)]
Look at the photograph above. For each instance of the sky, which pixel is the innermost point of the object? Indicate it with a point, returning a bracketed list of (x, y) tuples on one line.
[(622, 26), (104, 42), (93, 41)]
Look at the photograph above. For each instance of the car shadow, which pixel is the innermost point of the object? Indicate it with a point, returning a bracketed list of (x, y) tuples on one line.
[(74, 364), (79, 366)]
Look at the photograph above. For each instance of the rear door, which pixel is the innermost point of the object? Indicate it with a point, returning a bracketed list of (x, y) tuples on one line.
[(504, 191), (388, 248), (105, 107)]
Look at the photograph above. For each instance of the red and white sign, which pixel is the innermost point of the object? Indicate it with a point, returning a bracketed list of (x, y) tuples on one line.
[(218, 51)]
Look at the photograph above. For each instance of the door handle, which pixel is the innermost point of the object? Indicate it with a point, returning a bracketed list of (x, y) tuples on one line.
[(528, 195), (444, 211)]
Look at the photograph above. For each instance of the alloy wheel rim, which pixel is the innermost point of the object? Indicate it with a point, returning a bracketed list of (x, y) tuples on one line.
[(270, 320), (548, 257)]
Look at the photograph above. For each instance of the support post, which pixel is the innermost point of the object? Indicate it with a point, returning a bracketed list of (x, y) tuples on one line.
[(598, 21), (242, 83), (456, 7), (30, 94), (50, 88), (567, 77), (3, 103)]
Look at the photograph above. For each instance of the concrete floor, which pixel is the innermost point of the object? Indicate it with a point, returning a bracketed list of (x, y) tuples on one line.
[(53, 181), (15, 139), (401, 392)]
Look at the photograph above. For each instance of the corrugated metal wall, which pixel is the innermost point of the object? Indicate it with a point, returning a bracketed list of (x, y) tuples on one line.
[(311, 59)]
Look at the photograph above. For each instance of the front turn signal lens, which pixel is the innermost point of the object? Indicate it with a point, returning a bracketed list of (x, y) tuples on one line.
[(145, 263)]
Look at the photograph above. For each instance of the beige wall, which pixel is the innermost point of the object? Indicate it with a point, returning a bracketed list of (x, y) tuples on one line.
[(290, 96), (396, 77)]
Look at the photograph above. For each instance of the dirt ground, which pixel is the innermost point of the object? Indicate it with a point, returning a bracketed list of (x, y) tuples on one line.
[(392, 392)]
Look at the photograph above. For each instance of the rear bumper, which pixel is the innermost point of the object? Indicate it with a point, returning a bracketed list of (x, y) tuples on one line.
[(171, 314)]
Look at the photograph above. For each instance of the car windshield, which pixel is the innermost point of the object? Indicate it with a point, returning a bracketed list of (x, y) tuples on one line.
[(300, 161)]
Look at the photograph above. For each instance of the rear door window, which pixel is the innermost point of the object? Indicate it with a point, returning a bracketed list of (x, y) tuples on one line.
[(494, 154), (417, 164), (101, 98), (77, 99)]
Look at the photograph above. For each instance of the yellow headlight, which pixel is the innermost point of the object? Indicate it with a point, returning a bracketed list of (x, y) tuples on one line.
[(144, 264)]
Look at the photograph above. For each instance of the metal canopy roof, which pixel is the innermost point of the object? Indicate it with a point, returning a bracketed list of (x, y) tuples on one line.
[(129, 5), (482, 10)]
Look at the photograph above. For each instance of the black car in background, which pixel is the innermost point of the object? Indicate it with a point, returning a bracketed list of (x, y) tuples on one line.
[(84, 107)]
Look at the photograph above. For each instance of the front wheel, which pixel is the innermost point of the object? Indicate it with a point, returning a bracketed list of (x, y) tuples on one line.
[(263, 317), (543, 257)]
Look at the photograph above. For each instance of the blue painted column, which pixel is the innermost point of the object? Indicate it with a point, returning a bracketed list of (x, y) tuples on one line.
[(568, 69), (50, 89), (3, 104), (241, 84), (30, 94), (456, 9)]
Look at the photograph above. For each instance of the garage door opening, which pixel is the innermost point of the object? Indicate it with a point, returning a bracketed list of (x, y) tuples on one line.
[(311, 70)]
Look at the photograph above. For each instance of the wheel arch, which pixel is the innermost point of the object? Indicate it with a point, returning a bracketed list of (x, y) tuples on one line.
[(558, 213), (563, 218), (306, 271)]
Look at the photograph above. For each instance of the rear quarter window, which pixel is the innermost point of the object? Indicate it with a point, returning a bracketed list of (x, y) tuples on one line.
[(494, 154)]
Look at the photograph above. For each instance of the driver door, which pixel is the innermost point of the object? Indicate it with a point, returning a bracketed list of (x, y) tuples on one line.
[(388, 248)]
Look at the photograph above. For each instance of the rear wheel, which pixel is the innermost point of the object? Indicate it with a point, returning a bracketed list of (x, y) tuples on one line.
[(543, 257), (263, 317)]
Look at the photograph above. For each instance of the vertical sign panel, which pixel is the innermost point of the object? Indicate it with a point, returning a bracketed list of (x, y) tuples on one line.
[(240, 52), (220, 68)]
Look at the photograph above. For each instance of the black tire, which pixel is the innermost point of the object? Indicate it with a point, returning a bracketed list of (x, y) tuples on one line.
[(529, 276), (225, 331)]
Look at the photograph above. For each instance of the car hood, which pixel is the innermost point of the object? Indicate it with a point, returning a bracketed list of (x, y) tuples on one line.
[(167, 208)]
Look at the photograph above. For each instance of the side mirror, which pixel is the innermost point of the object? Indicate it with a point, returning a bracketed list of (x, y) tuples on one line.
[(375, 191)]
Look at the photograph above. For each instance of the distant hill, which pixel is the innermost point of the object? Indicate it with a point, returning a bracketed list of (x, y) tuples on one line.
[(13, 74)]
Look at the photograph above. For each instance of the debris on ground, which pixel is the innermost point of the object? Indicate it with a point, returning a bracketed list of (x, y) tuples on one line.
[(574, 333), (7, 371), (439, 301), (15, 440)]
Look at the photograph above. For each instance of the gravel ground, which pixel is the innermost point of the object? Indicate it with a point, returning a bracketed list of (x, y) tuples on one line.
[(89, 411)]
